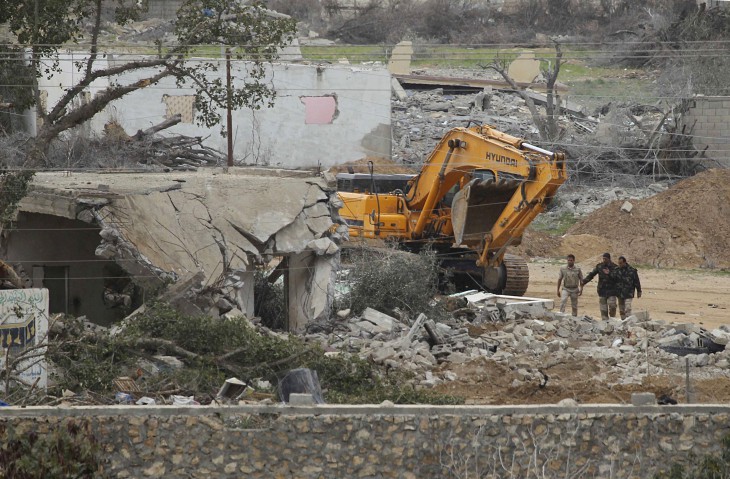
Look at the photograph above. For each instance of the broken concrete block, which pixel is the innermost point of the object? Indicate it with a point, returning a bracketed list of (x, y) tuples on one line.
[(698, 360), (532, 307), (330, 178), (457, 358), (323, 246), (398, 90), (384, 322), (720, 336), (433, 332), (380, 355), (603, 327), (674, 340), (627, 207), (643, 399), (563, 332), (420, 320), (343, 313), (641, 315), (300, 399), (369, 327)]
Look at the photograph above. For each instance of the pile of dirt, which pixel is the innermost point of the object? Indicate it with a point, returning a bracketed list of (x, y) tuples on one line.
[(686, 226), (536, 244), (486, 382)]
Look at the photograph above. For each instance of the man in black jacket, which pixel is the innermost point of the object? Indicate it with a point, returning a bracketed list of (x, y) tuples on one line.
[(606, 286), (627, 281)]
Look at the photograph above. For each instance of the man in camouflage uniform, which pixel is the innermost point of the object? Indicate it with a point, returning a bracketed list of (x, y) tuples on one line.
[(627, 281), (570, 278), (606, 286)]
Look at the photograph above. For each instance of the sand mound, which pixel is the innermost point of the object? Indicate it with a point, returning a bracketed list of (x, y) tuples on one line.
[(536, 244), (687, 225)]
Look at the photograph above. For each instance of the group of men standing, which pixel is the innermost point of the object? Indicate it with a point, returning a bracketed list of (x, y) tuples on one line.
[(617, 284)]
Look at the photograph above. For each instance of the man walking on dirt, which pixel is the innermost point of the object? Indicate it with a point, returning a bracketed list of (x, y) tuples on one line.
[(627, 281), (606, 286), (571, 278)]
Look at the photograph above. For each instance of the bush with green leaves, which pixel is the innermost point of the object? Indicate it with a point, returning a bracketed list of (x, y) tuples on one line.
[(88, 362), (233, 346), (70, 449), (215, 350), (270, 302), (706, 467), (385, 279)]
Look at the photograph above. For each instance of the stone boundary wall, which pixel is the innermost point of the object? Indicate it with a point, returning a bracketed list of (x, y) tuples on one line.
[(711, 119), (405, 442)]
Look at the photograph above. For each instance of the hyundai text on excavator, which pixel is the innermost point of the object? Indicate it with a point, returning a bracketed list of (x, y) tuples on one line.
[(473, 198)]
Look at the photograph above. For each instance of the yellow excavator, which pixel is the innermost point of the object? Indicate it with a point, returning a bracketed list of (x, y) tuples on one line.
[(473, 198)]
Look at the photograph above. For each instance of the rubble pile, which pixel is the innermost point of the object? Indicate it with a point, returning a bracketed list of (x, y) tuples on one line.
[(582, 202), (421, 120), (524, 338)]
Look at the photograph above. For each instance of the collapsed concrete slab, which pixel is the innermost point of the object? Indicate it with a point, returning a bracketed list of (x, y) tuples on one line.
[(168, 228)]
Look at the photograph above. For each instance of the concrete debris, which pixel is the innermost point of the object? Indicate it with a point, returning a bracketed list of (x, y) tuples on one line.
[(580, 202), (524, 339), (643, 399), (627, 207), (381, 321)]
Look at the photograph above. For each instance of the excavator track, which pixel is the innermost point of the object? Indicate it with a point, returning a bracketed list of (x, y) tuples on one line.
[(518, 275), (510, 278)]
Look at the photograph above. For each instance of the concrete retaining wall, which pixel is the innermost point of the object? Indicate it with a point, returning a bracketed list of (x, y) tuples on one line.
[(711, 119), (391, 442)]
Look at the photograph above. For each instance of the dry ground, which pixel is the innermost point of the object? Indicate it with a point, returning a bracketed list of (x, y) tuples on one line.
[(702, 296)]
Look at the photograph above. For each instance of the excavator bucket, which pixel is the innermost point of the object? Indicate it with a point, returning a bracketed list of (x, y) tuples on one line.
[(477, 206)]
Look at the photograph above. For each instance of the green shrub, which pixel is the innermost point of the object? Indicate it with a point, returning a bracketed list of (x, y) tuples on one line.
[(270, 303), (225, 348), (68, 450), (88, 362), (199, 334), (385, 279), (706, 467)]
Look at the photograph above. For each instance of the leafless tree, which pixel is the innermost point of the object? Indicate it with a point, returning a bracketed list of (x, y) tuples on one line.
[(547, 122)]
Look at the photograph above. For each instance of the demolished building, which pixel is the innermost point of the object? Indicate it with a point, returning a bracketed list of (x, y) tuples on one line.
[(104, 243)]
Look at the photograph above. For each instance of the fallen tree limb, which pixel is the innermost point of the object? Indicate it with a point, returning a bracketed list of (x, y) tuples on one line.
[(159, 127), (150, 343)]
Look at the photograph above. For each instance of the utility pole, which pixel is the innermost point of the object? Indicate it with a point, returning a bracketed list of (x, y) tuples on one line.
[(229, 117)]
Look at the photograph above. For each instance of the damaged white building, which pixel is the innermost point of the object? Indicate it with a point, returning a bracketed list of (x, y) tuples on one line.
[(104, 243), (323, 114)]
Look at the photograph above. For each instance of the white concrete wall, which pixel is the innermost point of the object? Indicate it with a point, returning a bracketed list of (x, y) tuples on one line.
[(278, 136)]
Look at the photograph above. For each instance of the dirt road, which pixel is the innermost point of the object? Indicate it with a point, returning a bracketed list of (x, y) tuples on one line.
[(702, 296)]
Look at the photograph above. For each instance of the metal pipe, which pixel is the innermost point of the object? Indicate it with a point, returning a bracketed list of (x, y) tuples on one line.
[(537, 149), (229, 117)]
